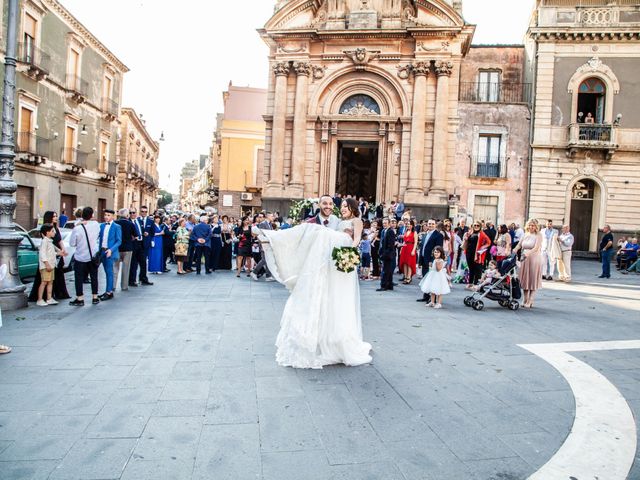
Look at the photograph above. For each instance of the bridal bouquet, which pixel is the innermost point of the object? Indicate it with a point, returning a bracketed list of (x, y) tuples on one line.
[(347, 258)]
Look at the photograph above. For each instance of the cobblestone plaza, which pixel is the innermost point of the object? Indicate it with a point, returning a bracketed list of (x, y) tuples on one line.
[(179, 381)]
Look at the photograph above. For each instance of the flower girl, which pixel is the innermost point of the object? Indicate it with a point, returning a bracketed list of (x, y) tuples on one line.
[(436, 282)]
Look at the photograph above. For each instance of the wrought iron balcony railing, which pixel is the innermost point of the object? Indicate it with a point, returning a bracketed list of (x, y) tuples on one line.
[(593, 136), (77, 86), (110, 107), (488, 167), (495, 92), (34, 57), (32, 144), (73, 156)]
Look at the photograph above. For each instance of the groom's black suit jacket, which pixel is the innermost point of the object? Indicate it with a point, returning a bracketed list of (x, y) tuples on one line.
[(388, 244)]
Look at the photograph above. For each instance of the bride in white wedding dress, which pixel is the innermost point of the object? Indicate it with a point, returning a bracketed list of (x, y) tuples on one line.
[(321, 322)]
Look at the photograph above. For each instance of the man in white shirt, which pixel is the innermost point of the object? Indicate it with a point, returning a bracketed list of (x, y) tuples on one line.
[(549, 249), (84, 238), (565, 239)]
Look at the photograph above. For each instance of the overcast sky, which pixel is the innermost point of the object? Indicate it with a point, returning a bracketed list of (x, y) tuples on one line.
[(182, 55)]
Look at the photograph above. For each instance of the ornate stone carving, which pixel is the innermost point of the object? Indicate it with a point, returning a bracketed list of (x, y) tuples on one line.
[(444, 68), (594, 65), (302, 48), (443, 47), (302, 68), (318, 71), (281, 68), (361, 56), (404, 71), (359, 111), (420, 68)]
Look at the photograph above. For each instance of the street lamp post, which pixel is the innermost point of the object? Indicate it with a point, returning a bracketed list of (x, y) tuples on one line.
[(12, 290)]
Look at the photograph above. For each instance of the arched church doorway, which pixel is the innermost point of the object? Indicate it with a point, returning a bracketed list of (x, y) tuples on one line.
[(583, 213), (357, 169)]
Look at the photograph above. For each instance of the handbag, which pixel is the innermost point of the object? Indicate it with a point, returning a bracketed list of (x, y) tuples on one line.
[(181, 249), (97, 258)]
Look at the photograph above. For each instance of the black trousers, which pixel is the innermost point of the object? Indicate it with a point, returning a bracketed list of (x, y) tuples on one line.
[(388, 267), (138, 262), (475, 271), (190, 254), (200, 252), (80, 271)]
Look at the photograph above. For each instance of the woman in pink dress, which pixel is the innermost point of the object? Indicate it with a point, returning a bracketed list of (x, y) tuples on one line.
[(531, 270), (408, 254)]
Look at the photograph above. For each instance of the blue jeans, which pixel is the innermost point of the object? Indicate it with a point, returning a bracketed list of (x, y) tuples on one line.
[(606, 262), (108, 270)]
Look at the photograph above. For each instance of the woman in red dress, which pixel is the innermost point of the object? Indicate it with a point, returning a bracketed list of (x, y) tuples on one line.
[(408, 253)]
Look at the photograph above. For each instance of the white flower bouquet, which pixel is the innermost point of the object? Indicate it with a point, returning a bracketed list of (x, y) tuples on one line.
[(347, 258)]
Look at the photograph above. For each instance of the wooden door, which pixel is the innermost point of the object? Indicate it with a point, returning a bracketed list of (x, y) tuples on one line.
[(68, 204), (581, 218), (485, 208), (73, 81), (24, 134), (102, 206), (24, 208), (69, 144)]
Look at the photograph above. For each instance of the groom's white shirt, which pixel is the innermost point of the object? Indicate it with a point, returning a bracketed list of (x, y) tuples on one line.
[(333, 221)]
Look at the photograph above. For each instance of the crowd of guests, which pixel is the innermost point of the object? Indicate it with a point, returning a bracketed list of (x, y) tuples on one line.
[(131, 246)]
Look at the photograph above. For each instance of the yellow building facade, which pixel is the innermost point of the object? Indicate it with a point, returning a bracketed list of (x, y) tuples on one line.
[(238, 151)]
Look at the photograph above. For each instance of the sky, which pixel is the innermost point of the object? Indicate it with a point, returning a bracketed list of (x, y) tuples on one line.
[(183, 54)]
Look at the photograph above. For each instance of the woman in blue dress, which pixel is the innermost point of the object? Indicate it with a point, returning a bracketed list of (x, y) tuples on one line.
[(216, 243), (156, 265)]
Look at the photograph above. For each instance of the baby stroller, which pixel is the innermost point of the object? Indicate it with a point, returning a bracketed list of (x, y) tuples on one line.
[(505, 289)]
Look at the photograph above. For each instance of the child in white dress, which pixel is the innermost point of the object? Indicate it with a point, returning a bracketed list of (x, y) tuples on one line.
[(436, 282)]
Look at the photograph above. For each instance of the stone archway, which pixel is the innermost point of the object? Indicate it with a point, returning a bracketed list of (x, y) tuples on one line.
[(362, 138), (585, 210)]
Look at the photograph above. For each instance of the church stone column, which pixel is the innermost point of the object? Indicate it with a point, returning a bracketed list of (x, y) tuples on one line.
[(416, 161), (276, 169), (298, 155), (441, 128)]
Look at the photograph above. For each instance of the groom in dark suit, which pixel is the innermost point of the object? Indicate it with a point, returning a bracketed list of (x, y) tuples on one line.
[(432, 239), (145, 232), (387, 255)]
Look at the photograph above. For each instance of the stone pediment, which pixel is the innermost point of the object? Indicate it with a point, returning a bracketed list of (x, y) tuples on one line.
[(335, 14)]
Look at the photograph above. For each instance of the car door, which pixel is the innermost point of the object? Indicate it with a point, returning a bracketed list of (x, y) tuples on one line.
[(27, 258)]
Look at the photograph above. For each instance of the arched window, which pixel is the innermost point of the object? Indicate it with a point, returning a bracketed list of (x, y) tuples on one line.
[(360, 105), (591, 101)]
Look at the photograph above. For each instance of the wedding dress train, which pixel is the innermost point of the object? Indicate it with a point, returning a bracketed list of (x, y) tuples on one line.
[(321, 322)]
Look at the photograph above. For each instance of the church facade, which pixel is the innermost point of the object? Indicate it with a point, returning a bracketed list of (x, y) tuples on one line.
[(363, 100)]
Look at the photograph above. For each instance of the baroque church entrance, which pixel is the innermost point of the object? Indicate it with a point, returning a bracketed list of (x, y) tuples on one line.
[(357, 169)]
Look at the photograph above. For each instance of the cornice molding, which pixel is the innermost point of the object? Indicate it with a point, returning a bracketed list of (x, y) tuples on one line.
[(131, 114), (574, 34), (87, 36)]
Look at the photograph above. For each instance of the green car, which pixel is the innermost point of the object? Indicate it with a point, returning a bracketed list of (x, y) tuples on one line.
[(27, 257)]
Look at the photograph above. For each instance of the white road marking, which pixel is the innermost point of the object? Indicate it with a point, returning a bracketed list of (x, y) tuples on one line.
[(602, 441)]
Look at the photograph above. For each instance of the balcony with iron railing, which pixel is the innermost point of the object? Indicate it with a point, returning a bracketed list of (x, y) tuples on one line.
[(593, 136), (495, 92), (110, 108), (38, 62), (250, 184), (75, 159), (78, 88), (31, 148), (483, 166)]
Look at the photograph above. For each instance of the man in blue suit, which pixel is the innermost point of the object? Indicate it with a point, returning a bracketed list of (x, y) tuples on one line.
[(109, 239), (432, 239)]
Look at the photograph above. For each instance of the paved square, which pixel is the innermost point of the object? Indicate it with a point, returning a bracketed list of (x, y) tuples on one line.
[(179, 381)]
